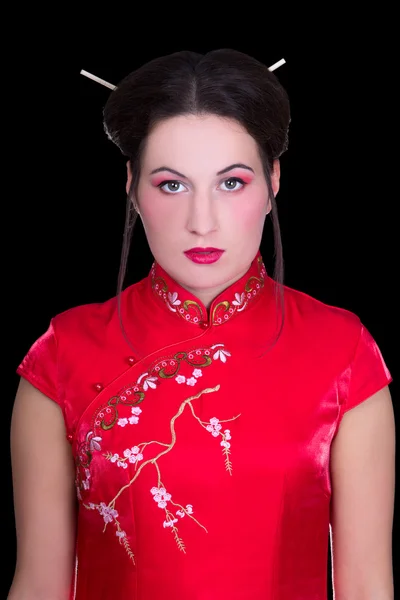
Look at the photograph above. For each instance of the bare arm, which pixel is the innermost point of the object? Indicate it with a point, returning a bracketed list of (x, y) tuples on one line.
[(44, 498), (363, 477)]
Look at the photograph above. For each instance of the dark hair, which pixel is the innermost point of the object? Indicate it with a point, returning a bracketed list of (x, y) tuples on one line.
[(225, 82)]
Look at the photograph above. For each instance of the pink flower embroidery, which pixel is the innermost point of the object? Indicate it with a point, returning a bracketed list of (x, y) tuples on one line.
[(160, 496), (133, 454), (215, 427), (107, 513), (173, 300)]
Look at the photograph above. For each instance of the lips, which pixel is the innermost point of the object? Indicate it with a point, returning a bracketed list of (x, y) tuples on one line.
[(204, 256)]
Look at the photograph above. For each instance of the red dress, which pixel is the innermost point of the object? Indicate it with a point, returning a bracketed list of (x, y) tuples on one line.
[(202, 461)]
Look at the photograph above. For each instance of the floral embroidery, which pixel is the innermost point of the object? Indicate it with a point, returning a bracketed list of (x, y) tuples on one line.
[(130, 396), (190, 310), (110, 515), (220, 354), (215, 429), (194, 312), (132, 455), (159, 492), (108, 416), (134, 420)]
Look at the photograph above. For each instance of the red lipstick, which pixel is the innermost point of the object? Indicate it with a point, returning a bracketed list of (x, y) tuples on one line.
[(204, 256)]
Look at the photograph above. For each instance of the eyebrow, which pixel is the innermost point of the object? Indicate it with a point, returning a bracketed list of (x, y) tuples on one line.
[(225, 170)]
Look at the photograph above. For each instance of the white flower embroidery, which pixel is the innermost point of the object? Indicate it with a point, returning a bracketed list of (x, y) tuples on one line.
[(94, 443), (221, 355), (197, 373), (239, 299), (133, 454), (173, 300), (120, 461), (86, 482), (215, 427), (134, 420), (160, 496), (192, 381), (180, 379), (107, 513), (120, 534), (227, 434), (170, 523), (149, 382), (182, 513)]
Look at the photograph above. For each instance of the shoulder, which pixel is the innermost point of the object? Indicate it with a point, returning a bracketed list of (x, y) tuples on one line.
[(92, 319), (317, 321)]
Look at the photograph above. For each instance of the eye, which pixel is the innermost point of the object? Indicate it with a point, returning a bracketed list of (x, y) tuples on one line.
[(233, 184), (171, 186)]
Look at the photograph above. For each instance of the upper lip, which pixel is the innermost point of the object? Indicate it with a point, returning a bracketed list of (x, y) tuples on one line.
[(204, 250)]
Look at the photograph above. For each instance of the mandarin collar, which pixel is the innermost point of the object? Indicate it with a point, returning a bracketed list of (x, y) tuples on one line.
[(233, 301)]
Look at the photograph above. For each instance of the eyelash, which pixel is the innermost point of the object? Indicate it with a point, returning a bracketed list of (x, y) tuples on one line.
[(163, 183)]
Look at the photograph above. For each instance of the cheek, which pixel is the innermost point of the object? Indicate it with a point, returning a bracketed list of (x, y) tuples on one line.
[(249, 211), (155, 210)]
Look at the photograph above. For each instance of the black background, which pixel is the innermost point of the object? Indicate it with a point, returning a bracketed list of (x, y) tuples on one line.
[(64, 207)]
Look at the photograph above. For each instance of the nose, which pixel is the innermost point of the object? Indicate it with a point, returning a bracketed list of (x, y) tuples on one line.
[(202, 218)]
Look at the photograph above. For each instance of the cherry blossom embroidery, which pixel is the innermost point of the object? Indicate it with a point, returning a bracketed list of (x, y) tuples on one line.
[(214, 428), (110, 515), (162, 497), (131, 455), (134, 420), (107, 513), (107, 415), (130, 396), (85, 482), (159, 492), (188, 511)]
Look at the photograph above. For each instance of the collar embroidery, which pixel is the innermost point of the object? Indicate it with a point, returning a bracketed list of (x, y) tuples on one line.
[(234, 299)]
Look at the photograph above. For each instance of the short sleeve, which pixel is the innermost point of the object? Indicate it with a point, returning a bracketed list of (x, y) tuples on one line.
[(368, 372), (39, 366)]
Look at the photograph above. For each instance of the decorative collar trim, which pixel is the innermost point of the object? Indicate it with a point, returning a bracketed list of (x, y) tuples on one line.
[(235, 299)]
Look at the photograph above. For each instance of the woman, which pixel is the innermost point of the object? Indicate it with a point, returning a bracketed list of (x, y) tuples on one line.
[(203, 417)]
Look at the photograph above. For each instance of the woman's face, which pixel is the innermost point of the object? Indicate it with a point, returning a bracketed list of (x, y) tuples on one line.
[(202, 186)]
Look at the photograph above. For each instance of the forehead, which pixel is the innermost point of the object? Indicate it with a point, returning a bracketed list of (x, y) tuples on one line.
[(208, 141)]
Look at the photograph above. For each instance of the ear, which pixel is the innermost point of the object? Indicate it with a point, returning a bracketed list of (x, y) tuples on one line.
[(129, 176), (275, 180), (276, 176)]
